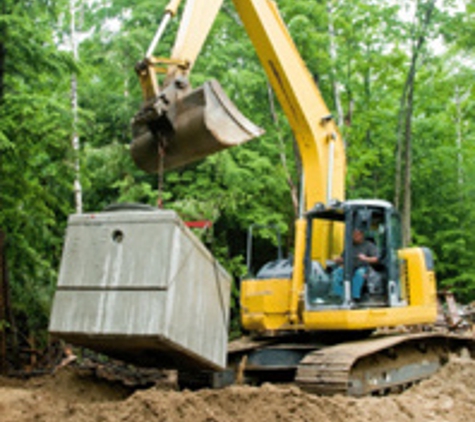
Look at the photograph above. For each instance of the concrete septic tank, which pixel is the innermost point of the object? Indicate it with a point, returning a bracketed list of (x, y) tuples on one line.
[(140, 286)]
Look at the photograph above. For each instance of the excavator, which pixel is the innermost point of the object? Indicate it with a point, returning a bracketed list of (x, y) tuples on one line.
[(301, 327)]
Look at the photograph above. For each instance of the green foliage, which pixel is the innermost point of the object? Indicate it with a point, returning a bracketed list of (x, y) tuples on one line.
[(241, 186), (35, 175)]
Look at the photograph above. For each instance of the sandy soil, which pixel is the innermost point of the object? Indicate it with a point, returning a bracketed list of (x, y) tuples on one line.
[(74, 396)]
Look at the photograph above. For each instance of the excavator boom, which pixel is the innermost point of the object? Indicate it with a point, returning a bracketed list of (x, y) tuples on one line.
[(180, 126)]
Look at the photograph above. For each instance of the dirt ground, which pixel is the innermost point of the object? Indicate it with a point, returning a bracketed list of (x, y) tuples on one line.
[(77, 396)]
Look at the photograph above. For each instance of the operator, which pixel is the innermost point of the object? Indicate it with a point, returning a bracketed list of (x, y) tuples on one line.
[(364, 253)]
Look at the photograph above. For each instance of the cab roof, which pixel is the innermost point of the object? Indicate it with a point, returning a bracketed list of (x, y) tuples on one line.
[(336, 211)]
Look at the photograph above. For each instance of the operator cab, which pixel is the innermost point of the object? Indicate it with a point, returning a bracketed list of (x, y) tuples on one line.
[(348, 282)]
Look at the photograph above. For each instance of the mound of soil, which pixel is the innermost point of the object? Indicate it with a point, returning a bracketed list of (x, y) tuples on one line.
[(76, 396)]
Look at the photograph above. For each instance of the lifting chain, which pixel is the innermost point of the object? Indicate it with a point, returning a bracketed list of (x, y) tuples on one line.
[(161, 164)]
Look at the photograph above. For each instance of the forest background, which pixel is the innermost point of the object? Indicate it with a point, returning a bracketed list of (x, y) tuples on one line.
[(397, 75)]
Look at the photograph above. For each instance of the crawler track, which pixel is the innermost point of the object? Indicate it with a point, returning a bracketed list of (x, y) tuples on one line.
[(377, 365)]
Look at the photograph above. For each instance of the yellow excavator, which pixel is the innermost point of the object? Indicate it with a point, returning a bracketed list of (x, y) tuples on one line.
[(140, 287), (302, 325)]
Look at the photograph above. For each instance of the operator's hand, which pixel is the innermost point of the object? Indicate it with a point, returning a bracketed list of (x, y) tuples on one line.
[(338, 260), (367, 259), (363, 258)]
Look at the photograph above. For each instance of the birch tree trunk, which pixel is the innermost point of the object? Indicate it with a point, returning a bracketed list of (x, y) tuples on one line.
[(74, 105), (333, 55)]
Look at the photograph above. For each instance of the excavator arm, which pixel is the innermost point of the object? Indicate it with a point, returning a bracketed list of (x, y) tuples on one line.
[(176, 124), (195, 26), (320, 144), (318, 139), (188, 44)]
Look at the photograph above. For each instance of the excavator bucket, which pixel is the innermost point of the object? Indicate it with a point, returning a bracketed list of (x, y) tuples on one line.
[(198, 124)]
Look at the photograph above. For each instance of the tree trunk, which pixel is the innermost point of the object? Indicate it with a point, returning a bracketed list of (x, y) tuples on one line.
[(3, 55), (406, 215), (2, 64), (368, 106), (283, 157), (74, 105), (3, 306), (459, 136), (399, 147), (333, 55), (3, 50), (404, 141)]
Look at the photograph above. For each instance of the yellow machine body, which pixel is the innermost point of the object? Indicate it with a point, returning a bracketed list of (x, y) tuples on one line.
[(265, 305), (269, 305)]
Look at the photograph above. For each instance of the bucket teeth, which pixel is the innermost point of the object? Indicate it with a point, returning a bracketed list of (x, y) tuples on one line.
[(190, 128)]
